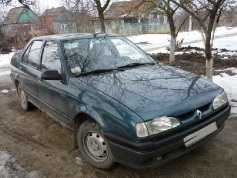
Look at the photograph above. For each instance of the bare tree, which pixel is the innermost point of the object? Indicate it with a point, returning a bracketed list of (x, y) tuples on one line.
[(37, 8), (101, 9), (170, 10), (90, 6), (207, 14), (80, 10), (3, 13), (23, 2)]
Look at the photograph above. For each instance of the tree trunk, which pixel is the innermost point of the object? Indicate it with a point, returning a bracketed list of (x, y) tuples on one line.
[(173, 37), (208, 53), (190, 23), (172, 48), (102, 22), (209, 69), (209, 59)]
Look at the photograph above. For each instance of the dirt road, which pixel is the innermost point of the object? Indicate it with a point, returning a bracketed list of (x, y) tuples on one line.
[(39, 143)]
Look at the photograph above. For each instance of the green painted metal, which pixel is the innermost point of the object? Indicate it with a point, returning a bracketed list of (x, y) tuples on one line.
[(130, 29), (26, 16)]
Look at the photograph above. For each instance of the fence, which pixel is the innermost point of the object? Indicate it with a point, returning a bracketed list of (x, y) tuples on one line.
[(24, 32), (128, 29)]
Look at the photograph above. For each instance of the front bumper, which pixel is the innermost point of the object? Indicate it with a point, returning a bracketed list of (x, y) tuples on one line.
[(155, 153)]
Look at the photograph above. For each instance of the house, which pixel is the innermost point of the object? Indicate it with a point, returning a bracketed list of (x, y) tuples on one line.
[(65, 22), (19, 22), (48, 16), (59, 20), (130, 14)]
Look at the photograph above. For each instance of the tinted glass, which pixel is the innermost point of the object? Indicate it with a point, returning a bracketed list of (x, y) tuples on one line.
[(85, 55), (50, 59), (33, 57)]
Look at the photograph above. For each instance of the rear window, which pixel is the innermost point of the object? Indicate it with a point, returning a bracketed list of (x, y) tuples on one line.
[(33, 54)]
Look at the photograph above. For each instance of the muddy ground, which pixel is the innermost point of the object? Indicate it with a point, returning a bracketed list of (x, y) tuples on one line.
[(40, 144)]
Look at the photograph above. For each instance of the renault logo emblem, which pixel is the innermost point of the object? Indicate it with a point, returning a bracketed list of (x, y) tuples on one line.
[(199, 114)]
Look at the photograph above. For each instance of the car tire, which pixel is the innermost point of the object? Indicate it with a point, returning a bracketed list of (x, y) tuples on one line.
[(93, 147), (25, 104)]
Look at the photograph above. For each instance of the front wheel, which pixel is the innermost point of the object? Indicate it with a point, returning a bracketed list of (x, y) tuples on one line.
[(93, 146)]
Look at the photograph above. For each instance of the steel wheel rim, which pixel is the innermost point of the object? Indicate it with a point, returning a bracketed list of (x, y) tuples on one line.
[(95, 146)]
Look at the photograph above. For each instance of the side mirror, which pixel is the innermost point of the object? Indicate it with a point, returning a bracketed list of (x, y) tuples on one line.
[(51, 75)]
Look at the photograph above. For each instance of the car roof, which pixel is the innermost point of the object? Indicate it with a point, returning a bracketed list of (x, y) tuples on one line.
[(71, 36)]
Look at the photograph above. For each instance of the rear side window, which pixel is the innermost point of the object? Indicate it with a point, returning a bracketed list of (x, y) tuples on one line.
[(50, 58), (32, 55)]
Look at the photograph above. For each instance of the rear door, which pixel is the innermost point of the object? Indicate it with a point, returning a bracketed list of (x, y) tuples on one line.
[(53, 92), (30, 68)]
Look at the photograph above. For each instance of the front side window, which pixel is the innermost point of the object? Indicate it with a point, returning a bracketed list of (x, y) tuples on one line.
[(102, 53), (50, 58), (32, 55)]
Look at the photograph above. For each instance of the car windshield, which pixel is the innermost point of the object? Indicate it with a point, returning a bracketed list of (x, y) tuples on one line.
[(103, 53)]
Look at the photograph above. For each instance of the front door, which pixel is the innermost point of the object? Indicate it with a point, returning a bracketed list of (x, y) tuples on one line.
[(52, 93)]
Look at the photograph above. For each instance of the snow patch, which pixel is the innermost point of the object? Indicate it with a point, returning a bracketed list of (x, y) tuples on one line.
[(79, 161), (229, 84), (5, 59), (225, 37), (9, 168), (232, 69), (5, 91), (4, 73)]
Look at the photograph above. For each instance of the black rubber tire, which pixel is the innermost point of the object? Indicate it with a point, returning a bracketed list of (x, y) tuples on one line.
[(82, 130), (27, 106)]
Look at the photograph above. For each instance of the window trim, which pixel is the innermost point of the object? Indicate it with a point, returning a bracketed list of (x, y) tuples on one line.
[(28, 47)]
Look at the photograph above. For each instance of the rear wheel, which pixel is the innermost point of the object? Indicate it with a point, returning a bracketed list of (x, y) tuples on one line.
[(25, 104), (93, 146)]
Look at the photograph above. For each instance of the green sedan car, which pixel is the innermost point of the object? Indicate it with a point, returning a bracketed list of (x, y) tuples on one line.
[(121, 105)]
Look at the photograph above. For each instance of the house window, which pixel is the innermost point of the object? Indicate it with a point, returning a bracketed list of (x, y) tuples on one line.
[(64, 26)]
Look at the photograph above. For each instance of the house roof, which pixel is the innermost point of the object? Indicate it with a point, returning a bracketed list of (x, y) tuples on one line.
[(54, 11), (65, 16), (128, 8), (13, 15)]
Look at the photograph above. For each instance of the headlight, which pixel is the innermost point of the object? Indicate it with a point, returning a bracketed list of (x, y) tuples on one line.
[(220, 100), (157, 125)]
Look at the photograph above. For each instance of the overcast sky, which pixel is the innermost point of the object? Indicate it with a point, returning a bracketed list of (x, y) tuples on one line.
[(50, 3), (42, 4)]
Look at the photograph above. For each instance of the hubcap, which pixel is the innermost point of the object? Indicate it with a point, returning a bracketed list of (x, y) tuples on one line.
[(95, 146)]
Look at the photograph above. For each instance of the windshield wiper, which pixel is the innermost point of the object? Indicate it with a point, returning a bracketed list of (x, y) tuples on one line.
[(98, 71), (136, 64)]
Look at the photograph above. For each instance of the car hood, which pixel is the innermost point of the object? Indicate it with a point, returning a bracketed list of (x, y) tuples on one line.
[(154, 91)]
